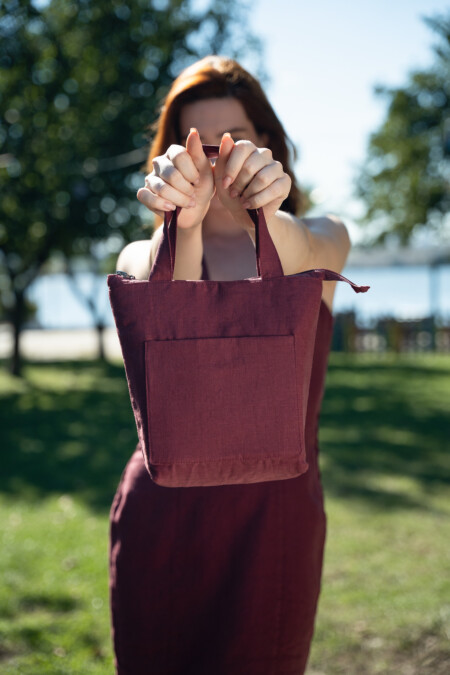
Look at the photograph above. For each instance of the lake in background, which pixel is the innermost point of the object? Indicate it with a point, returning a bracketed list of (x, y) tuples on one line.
[(405, 292)]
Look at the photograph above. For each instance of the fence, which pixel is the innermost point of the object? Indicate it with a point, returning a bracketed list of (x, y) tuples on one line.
[(390, 334)]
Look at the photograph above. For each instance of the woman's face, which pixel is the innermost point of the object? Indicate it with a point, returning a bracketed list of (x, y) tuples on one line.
[(212, 117)]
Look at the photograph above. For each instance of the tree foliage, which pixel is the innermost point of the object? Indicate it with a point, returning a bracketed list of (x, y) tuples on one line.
[(405, 182), (80, 82)]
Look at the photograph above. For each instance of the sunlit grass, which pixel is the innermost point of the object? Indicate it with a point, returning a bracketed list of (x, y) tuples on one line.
[(384, 437), (54, 590)]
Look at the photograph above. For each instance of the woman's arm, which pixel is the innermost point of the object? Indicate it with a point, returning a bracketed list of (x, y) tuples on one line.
[(133, 258), (249, 177), (137, 258), (309, 243)]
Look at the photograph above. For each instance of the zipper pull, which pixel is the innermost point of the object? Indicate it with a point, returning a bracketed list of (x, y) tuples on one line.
[(124, 275)]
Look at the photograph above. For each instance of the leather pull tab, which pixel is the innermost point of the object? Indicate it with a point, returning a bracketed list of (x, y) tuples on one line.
[(329, 275)]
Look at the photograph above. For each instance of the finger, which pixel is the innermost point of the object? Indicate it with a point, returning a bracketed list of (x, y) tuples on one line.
[(253, 165), (168, 193), (181, 159), (153, 202), (225, 149), (262, 179), (163, 168), (241, 151), (276, 190), (195, 150)]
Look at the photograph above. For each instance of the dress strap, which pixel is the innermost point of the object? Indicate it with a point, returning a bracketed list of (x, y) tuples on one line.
[(205, 275)]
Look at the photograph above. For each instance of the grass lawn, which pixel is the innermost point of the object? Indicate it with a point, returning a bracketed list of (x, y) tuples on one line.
[(67, 431)]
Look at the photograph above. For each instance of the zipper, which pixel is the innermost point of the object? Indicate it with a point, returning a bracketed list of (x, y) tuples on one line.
[(124, 275)]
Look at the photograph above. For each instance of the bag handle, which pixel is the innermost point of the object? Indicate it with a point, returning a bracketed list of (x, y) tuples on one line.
[(329, 275), (268, 263)]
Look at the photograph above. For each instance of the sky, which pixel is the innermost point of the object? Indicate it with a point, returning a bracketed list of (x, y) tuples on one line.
[(323, 59)]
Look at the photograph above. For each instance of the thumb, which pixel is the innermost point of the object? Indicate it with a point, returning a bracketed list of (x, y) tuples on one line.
[(195, 149), (226, 146)]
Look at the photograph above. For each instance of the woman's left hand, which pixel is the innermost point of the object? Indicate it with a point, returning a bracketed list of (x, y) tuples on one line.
[(247, 177)]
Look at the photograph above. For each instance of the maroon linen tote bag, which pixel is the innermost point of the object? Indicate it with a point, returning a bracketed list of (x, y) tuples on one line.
[(219, 371)]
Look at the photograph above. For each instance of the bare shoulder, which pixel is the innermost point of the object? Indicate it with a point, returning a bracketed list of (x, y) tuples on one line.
[(332, 241), (329, 224), (137, 257), (330, 246)]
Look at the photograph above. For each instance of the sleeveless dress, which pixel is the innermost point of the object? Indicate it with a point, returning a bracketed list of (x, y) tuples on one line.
[(220, 580)]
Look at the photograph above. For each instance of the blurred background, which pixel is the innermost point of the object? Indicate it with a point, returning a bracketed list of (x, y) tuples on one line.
[(364, 93)]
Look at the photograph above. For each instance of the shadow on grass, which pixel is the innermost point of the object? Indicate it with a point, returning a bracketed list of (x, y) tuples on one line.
[(69, 427), (51, 603), (382, 421)]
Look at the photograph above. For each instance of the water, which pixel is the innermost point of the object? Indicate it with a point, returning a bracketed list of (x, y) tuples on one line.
[(403, 292)]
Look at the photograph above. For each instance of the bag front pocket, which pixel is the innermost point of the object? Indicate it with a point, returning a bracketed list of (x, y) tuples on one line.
[(215, 400)]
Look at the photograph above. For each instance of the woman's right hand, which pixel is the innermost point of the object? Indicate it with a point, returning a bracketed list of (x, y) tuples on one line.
[(181, 177)]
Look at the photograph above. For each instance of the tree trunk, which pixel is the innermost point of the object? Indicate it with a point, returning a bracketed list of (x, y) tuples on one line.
[(101, 348), (17, 317)]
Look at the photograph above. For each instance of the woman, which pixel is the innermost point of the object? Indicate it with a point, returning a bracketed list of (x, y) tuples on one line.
[(223, 580)]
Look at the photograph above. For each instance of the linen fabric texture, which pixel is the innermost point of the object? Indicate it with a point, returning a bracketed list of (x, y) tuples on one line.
[(220, 580), (219, 371)]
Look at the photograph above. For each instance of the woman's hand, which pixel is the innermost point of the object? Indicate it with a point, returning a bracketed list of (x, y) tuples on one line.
[(181, 177), (247, 177)]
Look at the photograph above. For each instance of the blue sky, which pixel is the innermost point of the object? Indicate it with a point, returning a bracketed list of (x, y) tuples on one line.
[(323, 59)]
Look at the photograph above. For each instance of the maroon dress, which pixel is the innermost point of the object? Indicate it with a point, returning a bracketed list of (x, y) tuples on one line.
[(220, 580)]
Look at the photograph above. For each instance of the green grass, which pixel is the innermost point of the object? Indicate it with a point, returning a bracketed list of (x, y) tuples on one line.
[(67, 431), (54, 591), (384, 437)]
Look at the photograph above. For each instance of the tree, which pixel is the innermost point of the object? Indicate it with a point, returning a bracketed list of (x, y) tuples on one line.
[(405, 181), (80, 81)]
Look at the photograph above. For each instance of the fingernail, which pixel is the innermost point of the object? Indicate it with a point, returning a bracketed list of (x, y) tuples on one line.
[(227, 133), (246, 204), (234, 193), (169, 206), (227, 182), (193, 129)]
